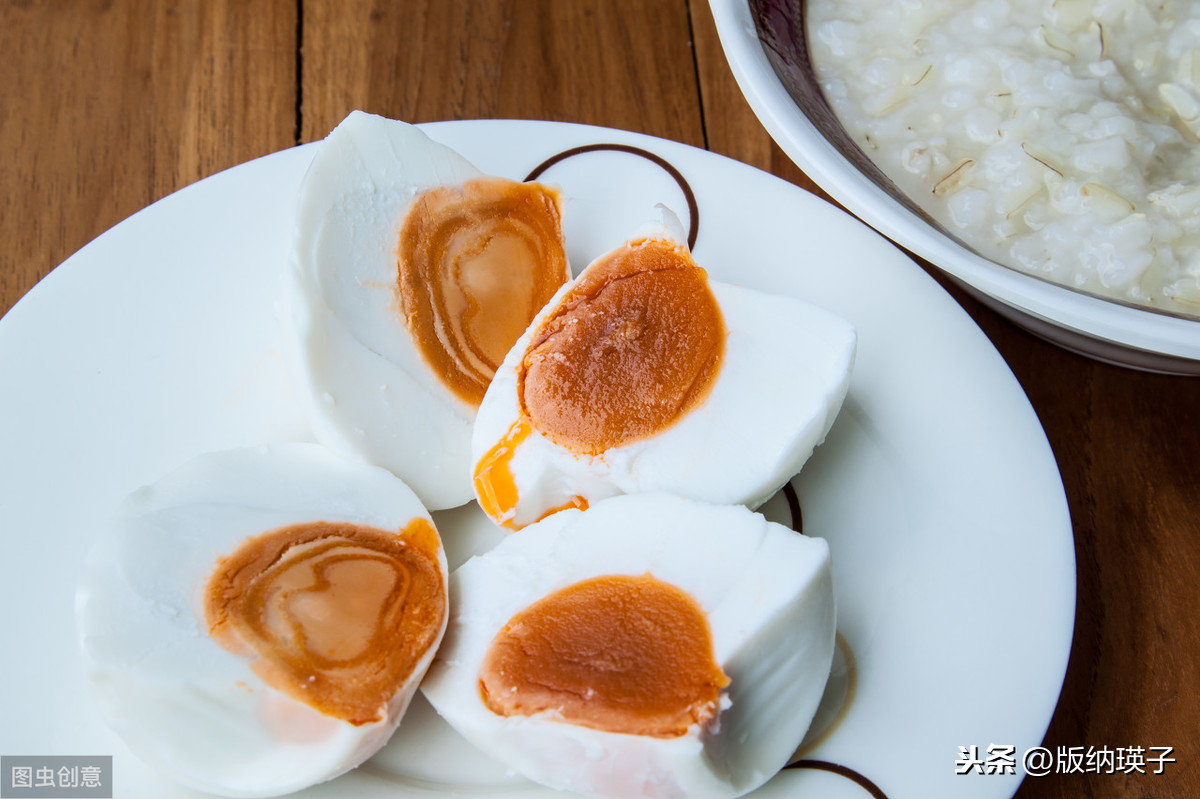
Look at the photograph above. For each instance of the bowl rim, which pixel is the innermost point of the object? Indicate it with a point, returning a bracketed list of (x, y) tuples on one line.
[(1143, 330)]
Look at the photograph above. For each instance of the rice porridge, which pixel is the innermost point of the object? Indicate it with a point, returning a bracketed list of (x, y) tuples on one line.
[(1059, 137)]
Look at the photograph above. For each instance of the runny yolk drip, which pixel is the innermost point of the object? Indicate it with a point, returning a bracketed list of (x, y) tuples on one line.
[(495, 487), (628, 654), (634, 345), (335, 615), (475, 264)]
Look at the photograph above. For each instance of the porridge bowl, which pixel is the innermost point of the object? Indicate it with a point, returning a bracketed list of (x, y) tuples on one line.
[(1040, 182)]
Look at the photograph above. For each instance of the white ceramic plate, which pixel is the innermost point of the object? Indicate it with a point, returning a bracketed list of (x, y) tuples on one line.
[(1088, 324), (936, 489)]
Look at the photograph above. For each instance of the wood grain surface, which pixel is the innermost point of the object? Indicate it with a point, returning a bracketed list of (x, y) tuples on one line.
[(108, 106)]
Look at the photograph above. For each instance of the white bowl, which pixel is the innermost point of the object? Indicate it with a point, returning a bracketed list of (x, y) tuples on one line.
[(765, 44)]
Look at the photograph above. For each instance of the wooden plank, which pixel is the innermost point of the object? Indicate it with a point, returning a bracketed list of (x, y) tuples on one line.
[(619, 63), (1124, 445), (110, 106)]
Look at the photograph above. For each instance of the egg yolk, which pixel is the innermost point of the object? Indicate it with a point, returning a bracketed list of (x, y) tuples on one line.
[(634, 345), (495, 487), (476, 262), (335, 615), (627, 654)]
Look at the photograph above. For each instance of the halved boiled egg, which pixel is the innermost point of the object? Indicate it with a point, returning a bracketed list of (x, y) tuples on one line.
[(413, 274), (644, 375), (650, 646), (258, 620)]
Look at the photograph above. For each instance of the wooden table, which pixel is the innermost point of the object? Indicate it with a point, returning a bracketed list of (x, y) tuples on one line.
[(108, 106)]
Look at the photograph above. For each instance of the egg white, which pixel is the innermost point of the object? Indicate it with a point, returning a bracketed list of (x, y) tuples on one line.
[(766, 591), (182, 702), (782, 379), (365, 387)]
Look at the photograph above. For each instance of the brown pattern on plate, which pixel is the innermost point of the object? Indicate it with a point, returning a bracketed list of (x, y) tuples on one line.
[(667, 166)]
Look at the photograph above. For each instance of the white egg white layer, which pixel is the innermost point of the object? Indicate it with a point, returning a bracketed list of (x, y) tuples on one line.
[(783, 377), (365, 386), (766, 590), (180, 701)]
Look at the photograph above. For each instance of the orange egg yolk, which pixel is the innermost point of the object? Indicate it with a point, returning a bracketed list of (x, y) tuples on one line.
[(634, 345), (335, 615), (475, 264), (495, 487), (627, 654)]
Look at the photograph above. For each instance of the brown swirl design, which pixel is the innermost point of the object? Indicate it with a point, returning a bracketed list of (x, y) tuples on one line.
[(842, 771), (793, 502), (788, 491), (668, 167), (847, 674)]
